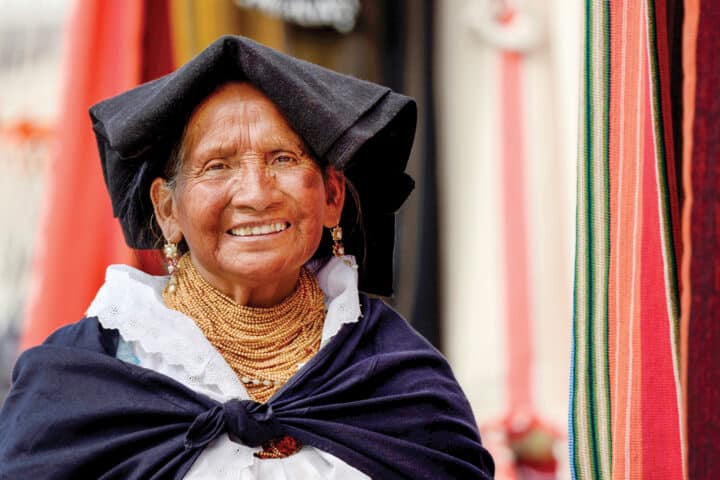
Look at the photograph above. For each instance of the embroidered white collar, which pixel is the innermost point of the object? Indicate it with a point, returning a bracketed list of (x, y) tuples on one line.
[(131, 302)]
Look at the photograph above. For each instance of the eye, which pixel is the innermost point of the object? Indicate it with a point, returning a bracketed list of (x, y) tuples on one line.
[(214, 165), (284, 159)]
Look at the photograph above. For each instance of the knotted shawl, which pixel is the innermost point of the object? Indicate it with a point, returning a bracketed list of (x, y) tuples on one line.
[(377, 396)]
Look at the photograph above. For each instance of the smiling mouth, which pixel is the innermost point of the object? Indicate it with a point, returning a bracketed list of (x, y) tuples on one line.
[(255, 230)]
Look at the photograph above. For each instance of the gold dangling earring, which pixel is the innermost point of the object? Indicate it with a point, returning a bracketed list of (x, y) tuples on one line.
[(338, 249), (171, 257)]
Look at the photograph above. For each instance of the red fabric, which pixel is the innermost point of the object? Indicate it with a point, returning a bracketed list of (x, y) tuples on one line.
[(157, 40), (703, 374), (661, 458), (78, 236)]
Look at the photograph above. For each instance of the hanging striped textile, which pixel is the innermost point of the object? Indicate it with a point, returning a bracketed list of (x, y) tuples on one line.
[(625, 397)]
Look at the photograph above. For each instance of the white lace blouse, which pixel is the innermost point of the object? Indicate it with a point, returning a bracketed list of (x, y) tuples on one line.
[(164, 340)]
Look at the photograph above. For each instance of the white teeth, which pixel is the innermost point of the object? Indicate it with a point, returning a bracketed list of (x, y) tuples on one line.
[(259, 229)]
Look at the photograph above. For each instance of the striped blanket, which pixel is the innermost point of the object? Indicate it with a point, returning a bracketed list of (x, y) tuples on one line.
[(626, 415)]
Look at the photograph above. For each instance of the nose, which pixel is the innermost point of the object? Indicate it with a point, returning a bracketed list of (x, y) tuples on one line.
[(253, 187)]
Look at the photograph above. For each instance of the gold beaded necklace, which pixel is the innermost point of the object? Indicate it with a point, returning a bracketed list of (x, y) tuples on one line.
[(264, 346)]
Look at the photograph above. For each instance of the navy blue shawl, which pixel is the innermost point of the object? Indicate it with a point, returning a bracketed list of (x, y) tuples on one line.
[(378, 396)]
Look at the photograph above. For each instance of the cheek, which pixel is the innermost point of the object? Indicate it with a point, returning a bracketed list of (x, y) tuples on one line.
[(311, 202), (199, 211), (311, 184), (308, 192)]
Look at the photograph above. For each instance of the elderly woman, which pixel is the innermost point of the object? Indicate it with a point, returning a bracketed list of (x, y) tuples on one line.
[(257, 357)]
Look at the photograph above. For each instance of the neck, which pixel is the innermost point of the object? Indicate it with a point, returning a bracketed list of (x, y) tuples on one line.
[(265, 346), (251, 293)]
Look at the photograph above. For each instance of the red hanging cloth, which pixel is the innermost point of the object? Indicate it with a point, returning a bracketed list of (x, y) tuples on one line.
[(78, 236)]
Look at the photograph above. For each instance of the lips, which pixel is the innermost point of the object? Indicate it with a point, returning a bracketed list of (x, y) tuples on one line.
[(258, 229)]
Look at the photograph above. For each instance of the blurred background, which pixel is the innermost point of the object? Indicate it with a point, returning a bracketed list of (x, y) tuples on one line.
[(484, 245)]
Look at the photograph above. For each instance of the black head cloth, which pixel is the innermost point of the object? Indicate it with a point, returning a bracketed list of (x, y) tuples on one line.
[(361, 128)]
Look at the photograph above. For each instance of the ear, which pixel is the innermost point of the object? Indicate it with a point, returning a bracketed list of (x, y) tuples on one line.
[(335, 191), (164, 205)]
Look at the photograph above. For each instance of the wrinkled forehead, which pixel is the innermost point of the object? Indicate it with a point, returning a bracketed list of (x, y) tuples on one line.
[(238, 115), (238, 94)]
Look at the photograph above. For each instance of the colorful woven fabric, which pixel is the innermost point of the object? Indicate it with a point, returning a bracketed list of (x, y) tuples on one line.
[(625, 410)]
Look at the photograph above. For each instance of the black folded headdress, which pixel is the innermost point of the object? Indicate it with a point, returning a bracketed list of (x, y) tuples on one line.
[(361, 128)]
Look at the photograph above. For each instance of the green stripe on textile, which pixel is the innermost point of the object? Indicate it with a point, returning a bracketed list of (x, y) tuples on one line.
[(590, 389)]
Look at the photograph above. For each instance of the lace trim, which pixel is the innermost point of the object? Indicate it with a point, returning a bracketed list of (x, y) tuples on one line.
[(131, 302)]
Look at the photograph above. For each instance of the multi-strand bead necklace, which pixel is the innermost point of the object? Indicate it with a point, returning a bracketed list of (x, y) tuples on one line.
[(264, 346)]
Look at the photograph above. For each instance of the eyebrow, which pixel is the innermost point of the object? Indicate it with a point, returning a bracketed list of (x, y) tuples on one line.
[(221, 149), (271, 143), (279, 143)]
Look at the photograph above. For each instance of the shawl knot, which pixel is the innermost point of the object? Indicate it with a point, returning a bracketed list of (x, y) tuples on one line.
[(246, 421)]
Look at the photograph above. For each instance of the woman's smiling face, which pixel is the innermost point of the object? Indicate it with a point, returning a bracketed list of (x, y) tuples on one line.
[(249, 200)]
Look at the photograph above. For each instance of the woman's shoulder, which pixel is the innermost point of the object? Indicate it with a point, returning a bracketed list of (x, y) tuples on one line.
[(390, 326), (391, 340)]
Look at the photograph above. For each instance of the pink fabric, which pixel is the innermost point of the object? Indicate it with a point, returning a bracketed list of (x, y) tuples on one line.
[(519, 346)]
